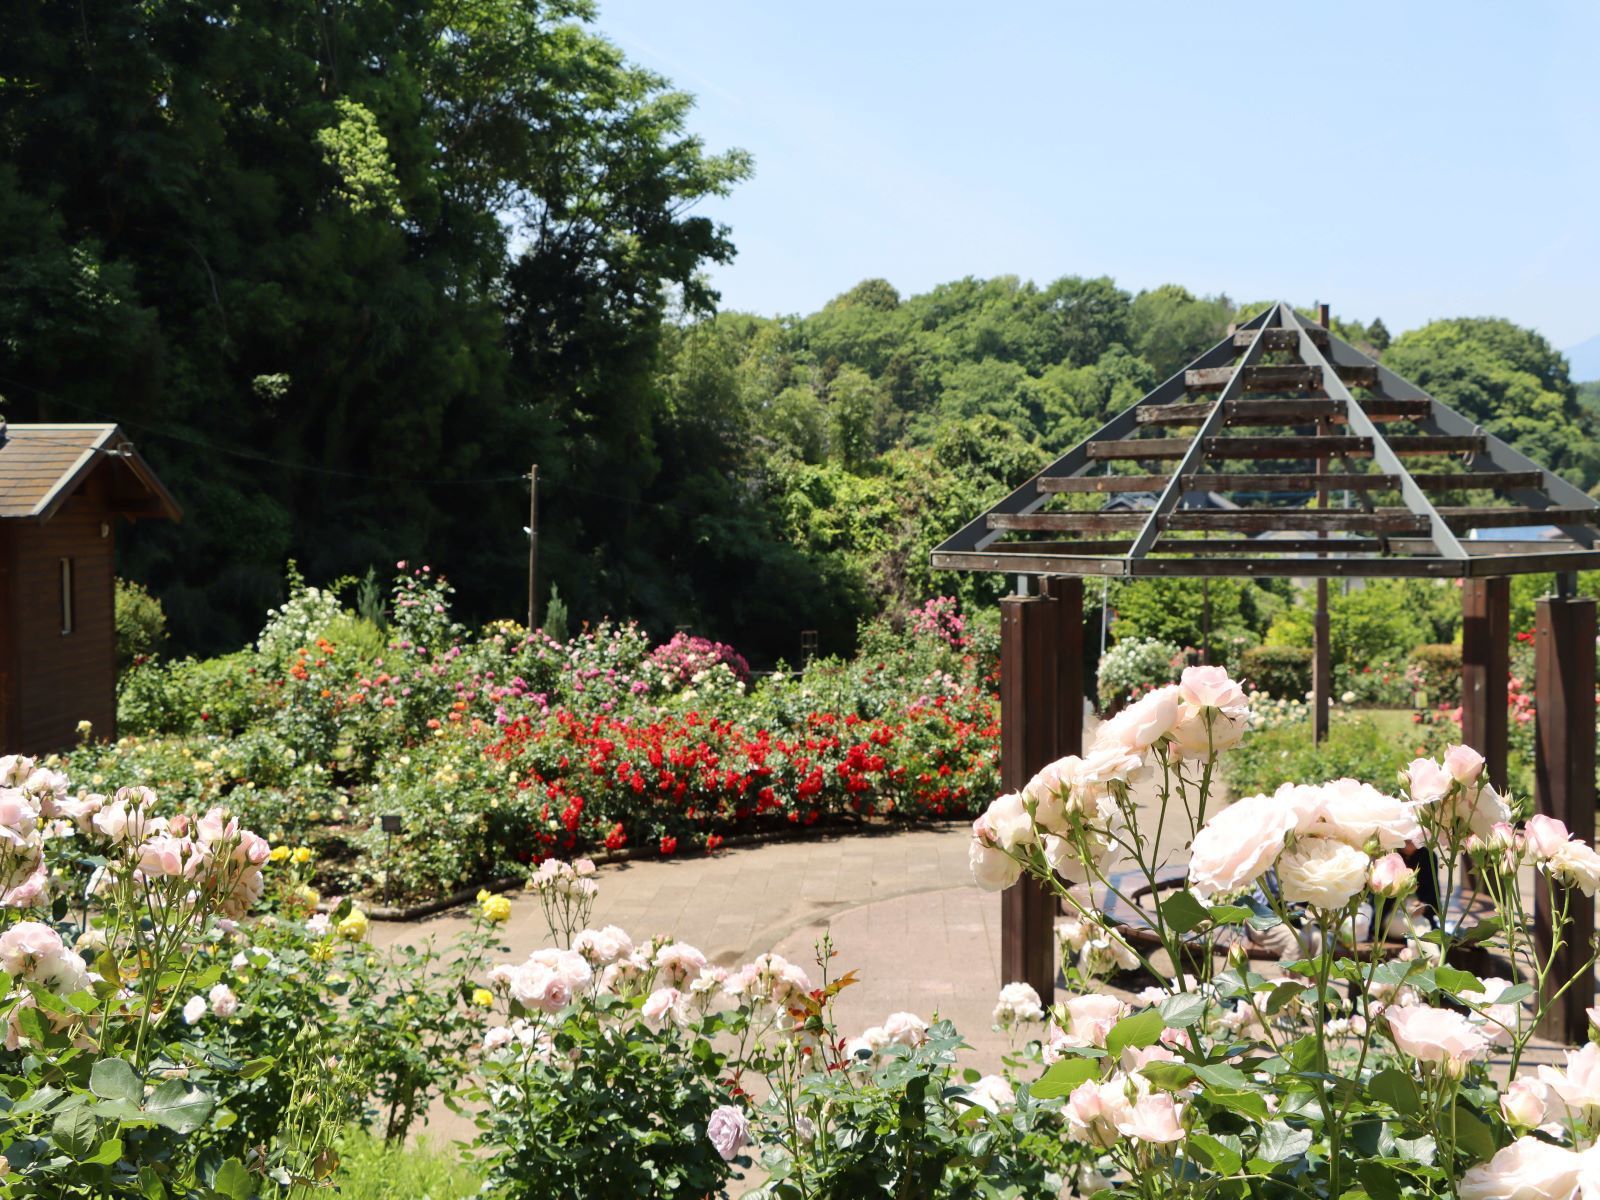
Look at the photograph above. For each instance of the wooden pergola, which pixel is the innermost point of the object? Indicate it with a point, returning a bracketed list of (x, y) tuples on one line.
[(1279, 413)]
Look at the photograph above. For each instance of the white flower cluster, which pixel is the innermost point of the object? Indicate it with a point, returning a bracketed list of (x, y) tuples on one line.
[(1073, 809)]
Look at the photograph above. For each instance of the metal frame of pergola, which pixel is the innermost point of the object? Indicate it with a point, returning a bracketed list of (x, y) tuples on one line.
[(1331, 412)]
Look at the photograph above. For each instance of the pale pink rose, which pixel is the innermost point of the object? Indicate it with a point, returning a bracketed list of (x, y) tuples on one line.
[(31, 887), (223, 1002), (19, 816), (1090, 1018), (1008, 823), (662, 1005), (1528, 1169), (1436, 1037), (1525, 1104), (1094, 1110), (679, 962), (1203, 732), (218, 825), (1472, 808), (1579, 1084), (993, 870), (1322, 873), (1238, 845), (1463, 764), (1143, 723), (29, 948), (1210, 687), (1391, 878), (905, 1029), (195, 1010), (1357, 813), (1108, 763), (992, 1093), (728, 1131), (603, 946), (1428, 781), (1048, 793), (1545, 836), (1068, 860), (1501, 1022), (1575, 865), (1154, 1118)]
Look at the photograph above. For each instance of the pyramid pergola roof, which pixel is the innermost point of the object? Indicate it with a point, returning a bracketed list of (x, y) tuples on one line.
[(1276, 412)]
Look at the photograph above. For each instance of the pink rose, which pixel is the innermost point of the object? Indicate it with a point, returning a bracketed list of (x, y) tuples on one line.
[(1210, 687), (1095, 1109), (1463, 763), (1528, 1169), (1525, 1104), (1545, 836), (1356, 813), (992, 1093), (1436, 1037), (1090, 1018), (1428, 781), (1142, 724), (1322, 872), (905, 1029), (993, 870), (1391, 878), (28, 948), (1154, 1118), (728, 1131), (662, 1004), (1238, 845), (1579, 1084)]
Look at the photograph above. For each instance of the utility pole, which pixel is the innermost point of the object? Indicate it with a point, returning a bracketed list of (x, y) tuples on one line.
[(533, 547)]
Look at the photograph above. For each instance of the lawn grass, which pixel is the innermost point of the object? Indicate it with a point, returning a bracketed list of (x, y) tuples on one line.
[(370, 1170)]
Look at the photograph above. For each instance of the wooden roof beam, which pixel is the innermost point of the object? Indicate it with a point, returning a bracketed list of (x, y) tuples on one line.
[(1385, 453)]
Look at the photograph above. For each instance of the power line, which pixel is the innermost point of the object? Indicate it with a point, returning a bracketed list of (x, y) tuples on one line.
[(255, 456)]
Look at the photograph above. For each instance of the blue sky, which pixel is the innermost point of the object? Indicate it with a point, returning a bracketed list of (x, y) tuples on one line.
[(1409, 159)]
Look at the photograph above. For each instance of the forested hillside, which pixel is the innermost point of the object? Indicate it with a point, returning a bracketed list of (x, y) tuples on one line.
[(344, 272)]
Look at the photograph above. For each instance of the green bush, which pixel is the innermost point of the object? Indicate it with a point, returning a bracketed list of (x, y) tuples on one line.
[(141, 623), (1382, 620), (1280, 671), (1436, 671), (370, 1169), (1358, 747), (1174, 610)]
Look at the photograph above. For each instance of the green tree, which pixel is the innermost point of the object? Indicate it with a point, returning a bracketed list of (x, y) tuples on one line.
[(1510, 380), (1169, 326), (343, 271)]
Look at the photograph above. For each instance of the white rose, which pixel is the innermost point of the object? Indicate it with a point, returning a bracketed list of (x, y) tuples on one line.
[(1322, 872), (1008, 821), (1355, 813), (992, 870)]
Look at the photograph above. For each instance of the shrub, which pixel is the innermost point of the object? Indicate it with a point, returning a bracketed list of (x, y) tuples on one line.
[(141, 623), (685, 658), (1357, 747), (1436, 672), (1174, 610), (1280, 671), (1369, 624), (1133, 666)]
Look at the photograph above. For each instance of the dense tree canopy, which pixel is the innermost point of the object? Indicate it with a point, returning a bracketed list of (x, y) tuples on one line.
[(345, 271)]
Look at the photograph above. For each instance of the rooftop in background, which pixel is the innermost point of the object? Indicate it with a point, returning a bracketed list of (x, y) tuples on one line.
[(42, 465), (1296, 387)]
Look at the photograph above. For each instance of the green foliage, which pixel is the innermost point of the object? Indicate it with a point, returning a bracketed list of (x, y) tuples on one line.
[(1510, 380), (1174, 610), (556, 621), (1381, 620), (346, 249), (1357, 747), (1283, 672), (371, 1169), (141, 623), (1435, 670)]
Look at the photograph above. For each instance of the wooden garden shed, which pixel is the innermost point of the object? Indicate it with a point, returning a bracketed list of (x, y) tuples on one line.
[(62, 490), (1401, 485)]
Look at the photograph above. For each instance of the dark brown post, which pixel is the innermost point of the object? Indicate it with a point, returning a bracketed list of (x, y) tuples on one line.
[(533, 547), (1564, 788), (1485, 667), (1041, 670)]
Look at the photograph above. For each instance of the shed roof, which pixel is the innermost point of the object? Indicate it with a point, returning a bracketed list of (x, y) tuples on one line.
[(42, 465), (1320, 424)]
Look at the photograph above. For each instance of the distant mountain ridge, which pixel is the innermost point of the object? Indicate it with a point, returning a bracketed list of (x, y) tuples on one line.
[(1585, 359)]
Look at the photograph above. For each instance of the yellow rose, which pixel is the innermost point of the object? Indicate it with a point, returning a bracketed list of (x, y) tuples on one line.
[(495, 908), (483, 997), (354, 927), (301, 855), (279, 853)]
